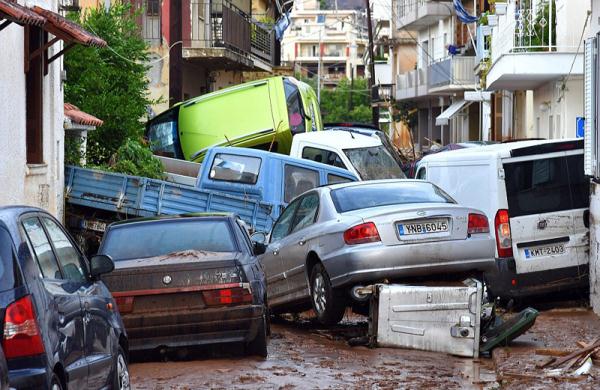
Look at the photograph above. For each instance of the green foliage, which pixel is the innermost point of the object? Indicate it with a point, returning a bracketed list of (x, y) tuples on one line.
[(133, 158), (73, 153), (347, 102), (111, 82)]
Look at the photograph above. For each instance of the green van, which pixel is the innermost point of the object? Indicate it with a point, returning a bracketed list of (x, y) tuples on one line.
[(262, 114)]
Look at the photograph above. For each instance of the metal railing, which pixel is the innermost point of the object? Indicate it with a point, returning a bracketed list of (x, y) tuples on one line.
[(456, 70), (262, 42)]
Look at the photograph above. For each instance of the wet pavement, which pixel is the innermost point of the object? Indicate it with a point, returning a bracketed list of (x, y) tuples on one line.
[(304, 356)]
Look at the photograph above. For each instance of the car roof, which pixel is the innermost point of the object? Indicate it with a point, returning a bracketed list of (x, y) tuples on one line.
[(9, 212), (343, 139), (173, 217), (371, 182)]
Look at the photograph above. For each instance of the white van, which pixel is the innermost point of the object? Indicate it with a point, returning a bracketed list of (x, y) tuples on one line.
[(363, 155), (536, 196)]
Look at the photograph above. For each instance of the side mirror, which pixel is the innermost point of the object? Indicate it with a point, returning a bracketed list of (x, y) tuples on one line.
[(100, 265), (258, 243), (259, 248)]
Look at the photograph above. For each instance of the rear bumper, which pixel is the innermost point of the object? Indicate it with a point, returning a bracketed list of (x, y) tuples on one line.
[(190, 328), (371, 262), (500, 282), (28, 378)]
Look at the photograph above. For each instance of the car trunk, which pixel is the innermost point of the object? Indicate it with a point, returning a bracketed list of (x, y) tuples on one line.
[(548, 203), (402, 224)]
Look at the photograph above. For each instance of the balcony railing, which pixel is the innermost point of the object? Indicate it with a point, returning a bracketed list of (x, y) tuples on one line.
[(418, 13), (412, 84), (455, 71)]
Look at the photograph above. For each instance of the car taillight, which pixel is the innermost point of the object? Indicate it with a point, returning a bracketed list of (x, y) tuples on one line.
[(361, 234), (503, 236), (124, 304), (227, 296), (478, 223), (21, 333)]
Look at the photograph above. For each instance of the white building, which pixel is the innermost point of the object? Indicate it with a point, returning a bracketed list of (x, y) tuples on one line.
[(31, 102), (536, 68), (336, 38), (444, 70)]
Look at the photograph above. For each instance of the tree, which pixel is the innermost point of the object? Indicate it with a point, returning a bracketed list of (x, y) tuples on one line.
[(110, 82)]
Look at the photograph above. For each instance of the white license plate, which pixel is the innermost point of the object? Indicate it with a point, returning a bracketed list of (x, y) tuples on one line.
[(549, 250), (94, 225), (425, 227)]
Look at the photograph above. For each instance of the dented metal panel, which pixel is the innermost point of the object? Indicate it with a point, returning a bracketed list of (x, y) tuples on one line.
[(429, 318)]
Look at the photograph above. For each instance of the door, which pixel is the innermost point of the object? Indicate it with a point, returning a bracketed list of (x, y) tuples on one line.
[(300, 239), (272, 259), (63, 318), (98, 343), (548, 199)]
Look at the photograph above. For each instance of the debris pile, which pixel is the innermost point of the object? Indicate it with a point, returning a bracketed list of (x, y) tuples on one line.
[(574, 363)]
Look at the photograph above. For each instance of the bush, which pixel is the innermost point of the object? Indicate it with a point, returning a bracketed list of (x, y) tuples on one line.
[(135, 158)]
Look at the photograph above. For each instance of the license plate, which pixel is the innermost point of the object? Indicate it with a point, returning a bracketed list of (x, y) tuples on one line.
[(425, 227), (549, 250), (94, 225)]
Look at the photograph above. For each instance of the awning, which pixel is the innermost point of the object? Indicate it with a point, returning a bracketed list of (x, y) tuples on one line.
[(12, 12), (66, 30), (444, 118), (79, 117)]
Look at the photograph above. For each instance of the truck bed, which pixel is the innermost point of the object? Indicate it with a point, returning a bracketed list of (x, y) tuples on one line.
[(143, 197)]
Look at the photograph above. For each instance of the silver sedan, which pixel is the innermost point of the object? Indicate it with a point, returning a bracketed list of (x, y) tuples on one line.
[(331, 239)]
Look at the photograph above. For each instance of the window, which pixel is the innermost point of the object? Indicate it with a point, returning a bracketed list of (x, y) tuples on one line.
[(374, 163), (335, 179), (546, 185), (163, 136), (421, 174), (8, 266), (387, 194), (296, 113), (307, 212), (152, 7), (239, 169), (282, 226), (323, 156), (161, 238), (551, 127), (42, 249), (69, 258), (34, 81), (298, 180)]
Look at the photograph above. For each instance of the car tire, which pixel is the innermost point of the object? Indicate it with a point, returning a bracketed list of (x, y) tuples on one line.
[(329, 303), (56, 384), (121, 372), (258, 346)]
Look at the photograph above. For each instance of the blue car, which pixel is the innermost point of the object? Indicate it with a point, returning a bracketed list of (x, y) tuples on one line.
[(62, 328)]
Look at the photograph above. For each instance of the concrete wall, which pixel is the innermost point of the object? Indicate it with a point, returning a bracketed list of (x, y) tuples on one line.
[(37, 185), (563, 106)]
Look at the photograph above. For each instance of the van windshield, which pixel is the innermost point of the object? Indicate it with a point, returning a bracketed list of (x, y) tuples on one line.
[(294, 105), (546, 185), (374, 163), (163, 135)]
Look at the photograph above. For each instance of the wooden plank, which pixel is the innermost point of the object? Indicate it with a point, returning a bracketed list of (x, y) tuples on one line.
[(575, 354), (551, 352)]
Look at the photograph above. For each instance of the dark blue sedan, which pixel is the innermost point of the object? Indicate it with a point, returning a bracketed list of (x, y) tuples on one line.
[(61, 326)]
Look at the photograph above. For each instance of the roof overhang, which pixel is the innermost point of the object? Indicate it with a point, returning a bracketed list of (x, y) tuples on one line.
[(13, 12), (64, 29), (444, 118), (529, 70)]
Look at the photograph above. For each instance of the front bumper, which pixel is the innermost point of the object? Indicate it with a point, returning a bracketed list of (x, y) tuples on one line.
[(504, 282), (193, 327), (372, 262)]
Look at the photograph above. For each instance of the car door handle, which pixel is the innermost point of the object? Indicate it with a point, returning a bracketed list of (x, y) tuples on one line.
[(275, 252), (301, 242)]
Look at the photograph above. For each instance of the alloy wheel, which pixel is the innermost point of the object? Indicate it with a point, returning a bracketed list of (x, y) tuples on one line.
[(123, 373), (319, 294)]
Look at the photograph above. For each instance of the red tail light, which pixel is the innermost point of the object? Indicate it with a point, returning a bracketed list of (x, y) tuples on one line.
[(21, 333), (124, 304), (227, 296), (503, 235), (362, 234), (478, 223)]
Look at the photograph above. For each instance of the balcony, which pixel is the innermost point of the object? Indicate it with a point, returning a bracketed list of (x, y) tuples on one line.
[(220, 35), (415, 14), (412, 84), (526, 51), (453, 74)]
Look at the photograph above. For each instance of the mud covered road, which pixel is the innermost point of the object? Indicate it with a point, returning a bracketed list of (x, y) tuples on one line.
[(303, 356)]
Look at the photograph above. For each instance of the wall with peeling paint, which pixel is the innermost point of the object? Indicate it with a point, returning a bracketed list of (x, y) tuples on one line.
[(595, 247)]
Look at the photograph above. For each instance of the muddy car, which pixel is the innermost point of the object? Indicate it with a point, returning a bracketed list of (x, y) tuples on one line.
[(188, 280)]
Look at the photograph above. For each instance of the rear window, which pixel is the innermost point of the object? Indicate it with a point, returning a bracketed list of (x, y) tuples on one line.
[(150, 239), (387, 194), (546, 185), (8, 279), (234, 168)]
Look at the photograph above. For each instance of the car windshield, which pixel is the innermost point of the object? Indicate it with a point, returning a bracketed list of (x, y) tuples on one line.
[(374, 163), (7, 262), (386, 194), (158, 238)]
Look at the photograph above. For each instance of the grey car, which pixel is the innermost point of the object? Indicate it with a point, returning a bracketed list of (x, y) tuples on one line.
[(330, 240)]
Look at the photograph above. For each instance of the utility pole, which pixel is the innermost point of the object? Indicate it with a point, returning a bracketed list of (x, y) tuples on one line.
[(175, 53), (375, 108), (319, 66)]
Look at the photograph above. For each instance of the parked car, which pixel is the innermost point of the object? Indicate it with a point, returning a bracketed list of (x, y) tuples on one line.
[(536, 196), (3, 371), (61, 325), (188, 280), (333, 239), (268, 113)]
